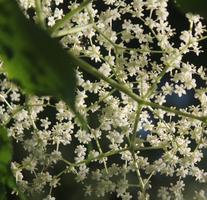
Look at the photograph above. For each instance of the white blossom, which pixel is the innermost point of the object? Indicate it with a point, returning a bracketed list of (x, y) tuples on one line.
[(114, 152)]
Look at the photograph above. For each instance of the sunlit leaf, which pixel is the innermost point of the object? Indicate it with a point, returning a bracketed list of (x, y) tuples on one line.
[(32, 58)]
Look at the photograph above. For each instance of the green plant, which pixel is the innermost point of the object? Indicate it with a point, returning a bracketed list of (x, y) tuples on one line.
[(125, 96)]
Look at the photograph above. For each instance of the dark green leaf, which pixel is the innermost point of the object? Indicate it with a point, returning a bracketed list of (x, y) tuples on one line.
[(2, 192), (5, 149), (193, 6), (6, 177), (32, 58), (5, 158)]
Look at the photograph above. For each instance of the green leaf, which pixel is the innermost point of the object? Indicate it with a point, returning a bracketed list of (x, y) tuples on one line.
[(32, 58), (193, 6), (35, 60), (2, 192), (5, 149), (7, 179), (5, 159)]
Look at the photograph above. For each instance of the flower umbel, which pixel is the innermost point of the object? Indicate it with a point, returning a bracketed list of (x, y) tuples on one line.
[(133, 45)]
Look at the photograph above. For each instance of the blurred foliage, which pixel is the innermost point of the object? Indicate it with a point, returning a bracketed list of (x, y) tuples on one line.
[(5, 158), (33, 59), (193, 6), (38, 64), (6, 177)]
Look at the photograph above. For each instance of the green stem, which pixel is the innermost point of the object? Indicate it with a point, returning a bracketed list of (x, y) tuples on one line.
[(72, 166), (60, 23), (7, 103), (161, 119), (104, 155), (99, 148), (141, 183), (139, 50), (39, 13), (88, 68), (111, 42), (154, 85), (76, 29), (137, 117), (133, 145), (116, 46), (90, 159), (100, 100), (104, 36), (202, 38)]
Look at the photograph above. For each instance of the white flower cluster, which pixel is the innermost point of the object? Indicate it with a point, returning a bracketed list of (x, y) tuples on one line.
[(133, 44)]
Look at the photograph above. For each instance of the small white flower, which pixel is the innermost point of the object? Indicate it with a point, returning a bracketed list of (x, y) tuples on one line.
[(57, 2), (58, 13), (51, 21), (49, 197), (179, 90)]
